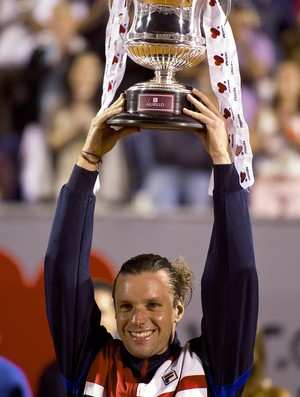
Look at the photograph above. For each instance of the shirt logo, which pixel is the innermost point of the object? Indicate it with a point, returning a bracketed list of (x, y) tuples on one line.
[(170, 377)]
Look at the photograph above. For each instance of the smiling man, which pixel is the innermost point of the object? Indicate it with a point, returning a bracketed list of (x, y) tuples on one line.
[(145, 312), (150, 292)]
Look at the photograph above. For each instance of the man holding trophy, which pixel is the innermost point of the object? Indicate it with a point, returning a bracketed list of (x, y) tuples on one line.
[(150, 291)]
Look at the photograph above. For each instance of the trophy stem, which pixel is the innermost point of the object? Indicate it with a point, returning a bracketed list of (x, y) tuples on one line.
[(165, 77)]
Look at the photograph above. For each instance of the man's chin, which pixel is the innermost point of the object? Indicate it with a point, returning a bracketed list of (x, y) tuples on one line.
[(139, 351)]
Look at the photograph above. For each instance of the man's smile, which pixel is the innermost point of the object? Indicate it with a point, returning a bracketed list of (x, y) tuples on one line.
[(141, 334)]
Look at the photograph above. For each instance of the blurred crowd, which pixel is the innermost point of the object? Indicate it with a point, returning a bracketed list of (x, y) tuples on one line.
[(51, 68)]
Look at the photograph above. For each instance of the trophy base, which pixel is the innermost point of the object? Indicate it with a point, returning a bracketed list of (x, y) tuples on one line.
[(156, 121), (157, 109)]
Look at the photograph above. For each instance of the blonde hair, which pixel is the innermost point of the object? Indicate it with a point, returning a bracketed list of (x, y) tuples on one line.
[(181, 277)]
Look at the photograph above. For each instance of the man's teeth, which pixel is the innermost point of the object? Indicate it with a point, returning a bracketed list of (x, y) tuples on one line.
[(141, 334)]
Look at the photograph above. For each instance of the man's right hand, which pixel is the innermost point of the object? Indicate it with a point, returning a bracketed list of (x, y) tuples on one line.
[(102, 138)]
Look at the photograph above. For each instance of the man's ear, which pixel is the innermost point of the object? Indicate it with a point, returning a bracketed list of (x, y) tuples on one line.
[(179, 311)]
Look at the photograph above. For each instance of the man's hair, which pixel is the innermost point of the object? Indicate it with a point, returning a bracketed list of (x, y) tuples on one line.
[(180, 275)]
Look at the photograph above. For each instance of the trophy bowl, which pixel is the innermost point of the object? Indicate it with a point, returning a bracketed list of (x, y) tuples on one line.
[(165, 36)]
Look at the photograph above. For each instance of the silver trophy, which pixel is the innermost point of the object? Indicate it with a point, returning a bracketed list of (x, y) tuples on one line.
[(165, 36)]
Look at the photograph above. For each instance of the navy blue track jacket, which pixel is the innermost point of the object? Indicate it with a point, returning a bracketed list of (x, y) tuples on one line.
[(229, 291)]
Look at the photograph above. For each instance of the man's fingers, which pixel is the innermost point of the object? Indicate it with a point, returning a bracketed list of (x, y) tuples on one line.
[(202, 107), (107, 114), (120, 102), (197, 115), (127, 131), (207, 102)]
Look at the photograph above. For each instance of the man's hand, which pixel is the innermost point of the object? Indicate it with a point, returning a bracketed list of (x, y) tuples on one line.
[(215, 138), (102, 138)]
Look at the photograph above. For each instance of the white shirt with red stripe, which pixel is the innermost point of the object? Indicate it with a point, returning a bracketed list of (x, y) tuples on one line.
[(181, 375)]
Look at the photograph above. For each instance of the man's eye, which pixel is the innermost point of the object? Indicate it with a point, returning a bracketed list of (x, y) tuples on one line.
[(125, 306), (153, 305)]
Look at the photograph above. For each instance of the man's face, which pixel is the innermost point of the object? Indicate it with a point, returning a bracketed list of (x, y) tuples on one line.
[(145, 313)]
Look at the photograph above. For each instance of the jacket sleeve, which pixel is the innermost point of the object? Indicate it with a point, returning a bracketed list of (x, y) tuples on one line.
[(229, 289), (72, 313)]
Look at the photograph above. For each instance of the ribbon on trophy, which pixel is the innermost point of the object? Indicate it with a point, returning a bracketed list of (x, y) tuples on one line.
[(224, 75), (226, 84), (115, 54)]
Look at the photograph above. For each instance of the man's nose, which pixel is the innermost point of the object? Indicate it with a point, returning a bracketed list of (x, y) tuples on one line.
[(139, 316)]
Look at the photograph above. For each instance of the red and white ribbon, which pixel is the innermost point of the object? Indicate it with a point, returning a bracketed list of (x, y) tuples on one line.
[(116, 56), (226, 84)]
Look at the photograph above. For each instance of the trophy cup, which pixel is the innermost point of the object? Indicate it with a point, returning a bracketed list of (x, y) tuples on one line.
[(165, 36)]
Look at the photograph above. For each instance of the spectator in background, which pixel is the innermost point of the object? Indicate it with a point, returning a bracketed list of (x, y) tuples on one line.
[(257, 57), (20, 26), (45, 78), (35, 35), (17, 36), (173, 178), (13, 381), (69, 120), (45, 75), (276, 142), (29, 78), (275, 16), (16, 45), (290, 36), (8, 177), (259, 385), (93, 26), (22, 20), (57, 43)]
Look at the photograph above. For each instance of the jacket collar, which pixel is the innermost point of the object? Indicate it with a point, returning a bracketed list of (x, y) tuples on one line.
[(143, 369)]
